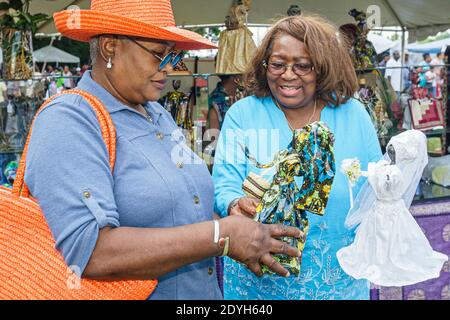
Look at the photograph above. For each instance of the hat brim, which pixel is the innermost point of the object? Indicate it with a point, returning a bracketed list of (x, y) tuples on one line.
[(85, 24)]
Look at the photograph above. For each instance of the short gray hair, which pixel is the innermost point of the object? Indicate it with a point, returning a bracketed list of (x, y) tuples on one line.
[(94, 49)]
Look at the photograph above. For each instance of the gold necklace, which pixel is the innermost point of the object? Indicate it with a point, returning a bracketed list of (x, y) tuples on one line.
[(289, 123)]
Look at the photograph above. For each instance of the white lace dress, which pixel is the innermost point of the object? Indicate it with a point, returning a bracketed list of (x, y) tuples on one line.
[(390, 249)]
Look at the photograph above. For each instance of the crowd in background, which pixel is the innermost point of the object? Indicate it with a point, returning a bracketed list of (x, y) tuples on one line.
[(429, 73)]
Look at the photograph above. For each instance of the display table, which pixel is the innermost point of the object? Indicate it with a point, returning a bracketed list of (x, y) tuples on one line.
[(431, 209)]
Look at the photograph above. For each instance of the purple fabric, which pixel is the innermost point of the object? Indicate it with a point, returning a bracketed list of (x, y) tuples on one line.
[(219, 268), (434, 219)]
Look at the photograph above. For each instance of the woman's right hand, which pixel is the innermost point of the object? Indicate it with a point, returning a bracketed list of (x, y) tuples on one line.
[(253, 243), (244, 206)]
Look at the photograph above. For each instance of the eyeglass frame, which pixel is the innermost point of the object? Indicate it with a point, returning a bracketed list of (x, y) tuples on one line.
[(286, 66), (174, 53)]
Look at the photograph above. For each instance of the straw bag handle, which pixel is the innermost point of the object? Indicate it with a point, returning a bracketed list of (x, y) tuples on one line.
[(20, 189)]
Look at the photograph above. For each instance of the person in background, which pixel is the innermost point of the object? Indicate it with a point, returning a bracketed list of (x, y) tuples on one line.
[(406, 73), (68, 81), (438, 64), (84, 68), (50, 71), (384, 60), (431, 79), (221, 99), (424, 66), (77, 75), (394, 73)]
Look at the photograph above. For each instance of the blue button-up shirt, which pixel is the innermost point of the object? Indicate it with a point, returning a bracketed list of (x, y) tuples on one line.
[(158, 182)]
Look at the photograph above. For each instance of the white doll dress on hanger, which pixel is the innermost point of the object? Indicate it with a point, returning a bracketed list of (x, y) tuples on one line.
[(389, 248)]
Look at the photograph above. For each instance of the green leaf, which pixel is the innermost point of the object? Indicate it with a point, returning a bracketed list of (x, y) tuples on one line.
[(26, 16)]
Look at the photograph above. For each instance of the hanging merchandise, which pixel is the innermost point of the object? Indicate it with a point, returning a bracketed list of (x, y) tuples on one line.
[(177, 104), (375, 95), (23, 100), (236, 46), (362, 50), (301, 185), (17, 27), (389, 248)]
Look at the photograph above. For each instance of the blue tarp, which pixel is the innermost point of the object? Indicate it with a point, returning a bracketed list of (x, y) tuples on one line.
[(430, 47)]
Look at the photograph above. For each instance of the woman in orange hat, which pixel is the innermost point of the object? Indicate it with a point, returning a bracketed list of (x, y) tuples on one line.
[(152, 216)]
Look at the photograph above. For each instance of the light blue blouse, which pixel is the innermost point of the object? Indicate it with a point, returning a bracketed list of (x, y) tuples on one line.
[(259, 124), (157, 182)]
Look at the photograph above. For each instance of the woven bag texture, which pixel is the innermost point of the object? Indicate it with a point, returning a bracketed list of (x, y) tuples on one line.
[(30, 266)]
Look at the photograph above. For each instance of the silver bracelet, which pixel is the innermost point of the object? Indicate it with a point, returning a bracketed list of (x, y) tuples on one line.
[(216, 231)]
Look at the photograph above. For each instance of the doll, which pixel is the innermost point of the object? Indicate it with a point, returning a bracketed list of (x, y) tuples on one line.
[(310, 157), (389, 248)]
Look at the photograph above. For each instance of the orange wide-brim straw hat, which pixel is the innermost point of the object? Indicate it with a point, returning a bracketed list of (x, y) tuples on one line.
[(151, 19)]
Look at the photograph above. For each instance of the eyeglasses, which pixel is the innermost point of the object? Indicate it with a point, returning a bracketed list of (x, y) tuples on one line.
[(278, 68), (173, 57)]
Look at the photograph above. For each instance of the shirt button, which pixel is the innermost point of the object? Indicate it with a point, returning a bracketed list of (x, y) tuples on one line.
[(180, 165), (86, 194), (160, 136), (210, 271), (196, 200)]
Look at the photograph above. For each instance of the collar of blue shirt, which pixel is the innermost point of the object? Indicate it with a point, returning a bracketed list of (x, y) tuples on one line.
[(112, 104)]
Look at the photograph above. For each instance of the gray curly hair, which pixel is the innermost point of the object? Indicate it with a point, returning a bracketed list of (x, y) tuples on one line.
[(94, 49)]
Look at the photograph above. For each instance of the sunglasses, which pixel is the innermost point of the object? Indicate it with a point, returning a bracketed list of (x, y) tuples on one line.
[(173, 57)]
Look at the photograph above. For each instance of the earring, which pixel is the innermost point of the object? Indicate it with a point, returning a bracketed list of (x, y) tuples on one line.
[(109, 64)]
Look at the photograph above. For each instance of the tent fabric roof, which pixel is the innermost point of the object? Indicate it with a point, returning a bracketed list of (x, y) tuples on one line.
[(52, 54), (421, 17)]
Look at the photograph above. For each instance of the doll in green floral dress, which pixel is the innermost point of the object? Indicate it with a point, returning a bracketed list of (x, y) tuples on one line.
[(309, 157)]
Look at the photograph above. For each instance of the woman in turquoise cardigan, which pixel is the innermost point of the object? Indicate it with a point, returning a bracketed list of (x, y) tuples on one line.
[(301, 73)]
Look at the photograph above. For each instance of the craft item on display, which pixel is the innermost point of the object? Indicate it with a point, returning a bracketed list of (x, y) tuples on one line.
[(389, 248), (177, 104), (10, 173), (426, 113), (181, 68), (438, 171), (236, 45), (376, 98), (364, 54), (294, 10), (310, 158), (352, 169), (435, 146)]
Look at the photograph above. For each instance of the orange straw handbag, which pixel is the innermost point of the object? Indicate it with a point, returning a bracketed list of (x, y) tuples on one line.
[(30, 266)]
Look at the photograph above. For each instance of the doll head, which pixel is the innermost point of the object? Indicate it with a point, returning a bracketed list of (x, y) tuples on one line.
[(407, 146)]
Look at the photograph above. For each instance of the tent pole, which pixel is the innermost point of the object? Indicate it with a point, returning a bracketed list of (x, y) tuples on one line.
[(402, 57)]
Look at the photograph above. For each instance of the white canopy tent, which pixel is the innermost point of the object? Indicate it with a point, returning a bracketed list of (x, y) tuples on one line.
[(420, 17), (55, 55), (380, 43)]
